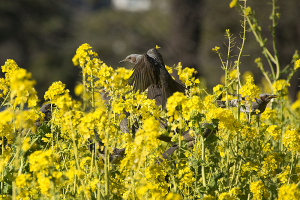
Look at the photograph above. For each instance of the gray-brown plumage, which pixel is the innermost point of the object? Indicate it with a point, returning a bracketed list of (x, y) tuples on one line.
[(149, 70), (250, 107), (46, 109)]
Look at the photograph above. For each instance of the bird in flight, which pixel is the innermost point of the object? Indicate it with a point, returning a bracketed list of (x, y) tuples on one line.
[(150, 72)]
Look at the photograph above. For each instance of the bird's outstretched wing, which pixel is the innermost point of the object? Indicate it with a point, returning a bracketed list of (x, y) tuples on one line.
[(169, 87), (144, 74), (155, 92)]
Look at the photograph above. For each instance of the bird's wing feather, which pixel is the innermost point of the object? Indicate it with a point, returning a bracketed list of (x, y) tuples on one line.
[(143, 75), (155, 92), (169, 87)]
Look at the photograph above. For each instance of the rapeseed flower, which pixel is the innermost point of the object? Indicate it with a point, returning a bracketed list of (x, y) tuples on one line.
[(274, 131), (258, 190), (172, 196), (297, 64), (249, 90), (283, 177), (296, 104), (23, 180), (280, 87), (56, 90), (218, 89), (22, 90), (270, 164), (269, 114), (249, 133), (8, 68), (289, 192), (231, 195), (232, 3), (291, 140), (186, 75)]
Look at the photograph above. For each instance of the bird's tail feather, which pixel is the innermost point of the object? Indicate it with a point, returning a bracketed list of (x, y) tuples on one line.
[(169, 89)]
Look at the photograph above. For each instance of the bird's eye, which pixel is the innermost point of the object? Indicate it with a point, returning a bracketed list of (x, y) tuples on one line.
[(129, 57)]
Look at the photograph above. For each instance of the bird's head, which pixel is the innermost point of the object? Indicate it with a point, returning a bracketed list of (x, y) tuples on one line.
[(47, 107), (132, 58), (152, 51), (267, 97)]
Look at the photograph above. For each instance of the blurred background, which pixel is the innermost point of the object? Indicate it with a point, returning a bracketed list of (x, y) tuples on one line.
[(42, 36)]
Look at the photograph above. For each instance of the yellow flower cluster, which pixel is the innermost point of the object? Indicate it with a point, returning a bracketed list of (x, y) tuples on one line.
[(186, 75), (274, 131), (249, 167), (249, 133), (55, 91), (83, 55), (227, 121), (182, 108), (8, 68), (280, 87), (291, 140), (22, 90), (270, 164), (232, 194), (249, 90), (297, 64), (145, 143), (283, 177), (289, 192), (269, 114), (259, 190), (296, 104), (218, 89)]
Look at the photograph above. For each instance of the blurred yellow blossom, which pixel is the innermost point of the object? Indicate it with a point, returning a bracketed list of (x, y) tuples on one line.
[(291, 140), (270, 164), (249, 89), (26, 145), (78, 89), (297, 64), (209, 197), (55, 91), (172, 196), (218, 89), (280, 87), (8, 68), (258, 190), (186, 75), (296, 104), (23, 180), (22, 90), (216, 49), (289, 192), (232, 3), (283, 177), (274, 131)]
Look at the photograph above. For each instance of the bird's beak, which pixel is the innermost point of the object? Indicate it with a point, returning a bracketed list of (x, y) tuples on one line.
[(272, 96), (122, 61)]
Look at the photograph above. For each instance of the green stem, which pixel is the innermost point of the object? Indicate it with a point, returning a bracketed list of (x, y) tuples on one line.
[(93, 90), (84, 92), (273, 36), (203, 159)]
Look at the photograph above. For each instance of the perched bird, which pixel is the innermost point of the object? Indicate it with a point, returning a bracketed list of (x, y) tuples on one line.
[(150, 72), (208, 131), (260, 104), (114, 157), (46, 109)]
